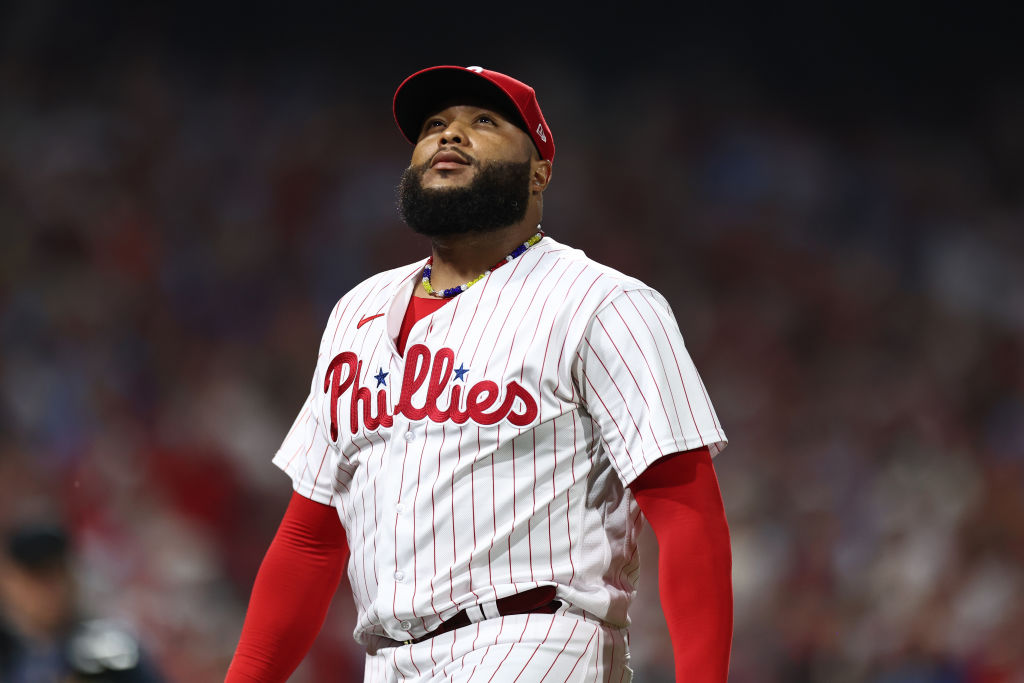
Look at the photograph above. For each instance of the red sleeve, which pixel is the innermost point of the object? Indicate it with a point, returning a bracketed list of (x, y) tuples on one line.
[(293, 588), (679, 496)]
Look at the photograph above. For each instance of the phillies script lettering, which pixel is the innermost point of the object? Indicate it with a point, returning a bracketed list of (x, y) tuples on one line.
[(436, 371)]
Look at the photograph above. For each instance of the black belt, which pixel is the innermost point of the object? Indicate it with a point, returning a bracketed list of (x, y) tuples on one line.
[(540, 600)]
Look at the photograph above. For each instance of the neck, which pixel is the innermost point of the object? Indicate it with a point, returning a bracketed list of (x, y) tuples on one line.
[(461, 258)]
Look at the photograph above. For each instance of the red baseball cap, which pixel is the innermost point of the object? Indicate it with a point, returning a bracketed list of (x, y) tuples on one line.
[(420, 94)]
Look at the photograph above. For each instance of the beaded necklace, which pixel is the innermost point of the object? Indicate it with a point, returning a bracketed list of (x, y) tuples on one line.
[(452, 291)]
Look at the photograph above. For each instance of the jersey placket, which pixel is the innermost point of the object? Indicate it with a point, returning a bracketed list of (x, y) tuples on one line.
[(395, 569)]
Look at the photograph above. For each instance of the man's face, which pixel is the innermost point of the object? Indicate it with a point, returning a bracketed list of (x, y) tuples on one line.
[(456, 141), (38, 602), (470, 172)]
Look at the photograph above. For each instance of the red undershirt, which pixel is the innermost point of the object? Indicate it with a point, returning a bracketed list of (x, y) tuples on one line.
[(678, 494), (416, 310)]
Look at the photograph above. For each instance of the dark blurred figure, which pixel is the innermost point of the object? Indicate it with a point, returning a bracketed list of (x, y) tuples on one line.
[(43, 637)]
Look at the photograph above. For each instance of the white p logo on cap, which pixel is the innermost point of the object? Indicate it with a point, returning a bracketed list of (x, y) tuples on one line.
[(477, 69)]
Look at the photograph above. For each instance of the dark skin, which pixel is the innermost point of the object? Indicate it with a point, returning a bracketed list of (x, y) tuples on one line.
[(453, 142)]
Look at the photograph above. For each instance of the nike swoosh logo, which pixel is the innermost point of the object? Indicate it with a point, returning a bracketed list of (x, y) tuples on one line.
[(367, 319)]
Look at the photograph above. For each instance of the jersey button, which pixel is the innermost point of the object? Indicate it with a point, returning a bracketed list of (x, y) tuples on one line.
[(399, 575), (406, 625), (409, 435), (400, 507)]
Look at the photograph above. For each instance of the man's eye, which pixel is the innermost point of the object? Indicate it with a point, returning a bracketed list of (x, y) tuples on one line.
[(432, 125), (484, 118)]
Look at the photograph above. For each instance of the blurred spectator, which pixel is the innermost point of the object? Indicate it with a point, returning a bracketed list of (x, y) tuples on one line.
[(43, 636)]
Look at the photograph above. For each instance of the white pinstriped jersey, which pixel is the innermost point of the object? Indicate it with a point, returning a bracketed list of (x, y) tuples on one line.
[(494, 456)]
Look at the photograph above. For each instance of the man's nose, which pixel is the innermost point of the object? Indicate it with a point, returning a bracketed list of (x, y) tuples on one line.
[(453, 135)]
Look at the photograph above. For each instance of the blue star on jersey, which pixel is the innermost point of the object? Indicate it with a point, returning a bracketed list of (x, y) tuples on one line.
[(380, 377), (460, 372)]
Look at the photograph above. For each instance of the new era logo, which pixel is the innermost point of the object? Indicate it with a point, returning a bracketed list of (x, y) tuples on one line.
[(540, 133)]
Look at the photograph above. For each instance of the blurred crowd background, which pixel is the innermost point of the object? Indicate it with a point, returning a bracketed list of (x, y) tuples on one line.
[(832, 203)]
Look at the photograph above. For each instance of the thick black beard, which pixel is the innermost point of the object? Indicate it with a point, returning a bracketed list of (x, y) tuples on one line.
[(496, 198)]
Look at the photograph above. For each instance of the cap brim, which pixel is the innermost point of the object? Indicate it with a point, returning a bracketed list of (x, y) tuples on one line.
[(427, 92)]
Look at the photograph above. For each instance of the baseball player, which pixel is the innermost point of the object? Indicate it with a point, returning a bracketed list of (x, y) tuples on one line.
[(486, 431)]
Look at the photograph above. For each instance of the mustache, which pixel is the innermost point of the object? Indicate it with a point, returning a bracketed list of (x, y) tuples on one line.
[(451, 150)]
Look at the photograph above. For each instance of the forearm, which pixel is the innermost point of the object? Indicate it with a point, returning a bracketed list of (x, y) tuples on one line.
[(696, 596), (293, 588), (681, 500)]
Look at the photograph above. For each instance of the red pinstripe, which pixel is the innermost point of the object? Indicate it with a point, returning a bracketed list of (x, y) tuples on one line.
[(308, 418), (533, 489), (472, 498), (526, 625), (306, 458), (476, 637), (561, 351), (522, 295), (551, 623), (415, 555), (555, 660), (455, 637), (515, 513), (432, 660), (401, 488), (433, 521), (455, 535), (487, 649), (540, 316), (412, 660), (568, 506), (376, 520), (501, 291), (394, 659), (657, 385), (625, 364), (362, 541), (494, 511), (610, 416), (711, 411), (322, 459), (547, 346), (472, 317), (625, 401), (580, 658), (682, 381), (454, 306), (661, 358), (554, 494)]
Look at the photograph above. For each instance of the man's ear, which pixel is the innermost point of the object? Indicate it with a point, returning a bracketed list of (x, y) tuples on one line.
[(540, 175)]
